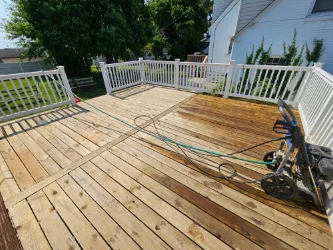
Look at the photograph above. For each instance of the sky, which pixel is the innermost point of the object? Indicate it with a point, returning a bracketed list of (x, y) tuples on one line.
[(4, 43)]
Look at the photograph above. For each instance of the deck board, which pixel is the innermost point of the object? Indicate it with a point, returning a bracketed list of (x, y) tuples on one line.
[(88, 181)]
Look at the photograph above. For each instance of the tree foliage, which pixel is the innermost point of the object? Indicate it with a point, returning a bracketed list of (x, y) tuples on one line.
[(316, 53), (72, 32), (179, 25), (260, 56), (291, 54)]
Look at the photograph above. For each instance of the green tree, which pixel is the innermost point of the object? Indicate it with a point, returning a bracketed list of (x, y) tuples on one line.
[(291, 54), (316, 53), (71, 32), (179, 26)]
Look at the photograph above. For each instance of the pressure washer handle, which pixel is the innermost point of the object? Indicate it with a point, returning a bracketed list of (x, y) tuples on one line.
[(282, 127), (286, 113)]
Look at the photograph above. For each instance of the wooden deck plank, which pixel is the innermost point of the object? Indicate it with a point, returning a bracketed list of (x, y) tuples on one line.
[(28, 230), (8, 238), (190, 229), (84, 232), (242, 211), (98, 166), (140, 233), (49, 148), (21, 175), (218, 229), (104, 224), (55, 230), (38, 152), (56, 138), (262, 209), (8, 185), (76, 164), (35, 169)]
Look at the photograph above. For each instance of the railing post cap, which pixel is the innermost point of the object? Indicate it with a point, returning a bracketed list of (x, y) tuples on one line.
[(101, 63), (318, 64), (177, 60), (140, 58), (232, 61), (60, 67)]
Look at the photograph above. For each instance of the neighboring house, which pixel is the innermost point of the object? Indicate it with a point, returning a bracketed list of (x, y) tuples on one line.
[(239, 24), (10, 55)]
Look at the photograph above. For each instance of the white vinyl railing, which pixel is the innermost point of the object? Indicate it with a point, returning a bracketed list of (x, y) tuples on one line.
[(316, 108), (121, 75), (27, 93), (258, 82)]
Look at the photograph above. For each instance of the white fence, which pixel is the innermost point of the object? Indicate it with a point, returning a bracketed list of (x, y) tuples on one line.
[(309, 88), (121, 75), (258, 82), (27, 93), (316, 108)]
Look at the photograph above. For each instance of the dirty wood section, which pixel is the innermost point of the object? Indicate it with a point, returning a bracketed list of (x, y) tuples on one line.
[(8, 238), (74, 178)]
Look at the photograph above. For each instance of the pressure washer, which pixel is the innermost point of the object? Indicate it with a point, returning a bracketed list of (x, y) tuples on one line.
[(296, 175)]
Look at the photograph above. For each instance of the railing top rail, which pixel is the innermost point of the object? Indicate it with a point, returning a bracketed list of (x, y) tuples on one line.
[(205, 64), (328, 77), (296, 68), (121, 64), (154, 61), (30, 74)]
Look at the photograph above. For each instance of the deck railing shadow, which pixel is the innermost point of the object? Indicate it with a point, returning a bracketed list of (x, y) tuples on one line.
[(132, 91), (32, 122)]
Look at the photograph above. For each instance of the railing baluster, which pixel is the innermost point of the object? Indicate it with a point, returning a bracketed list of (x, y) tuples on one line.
[(64, 92), (281, 84), (57, 89), (47, 92), (53, 94), (18, 94), (269, 83), (263, 82), (273, 88), (4, 99), (32, 91), (252, 81), (287, 85), (25, 92)]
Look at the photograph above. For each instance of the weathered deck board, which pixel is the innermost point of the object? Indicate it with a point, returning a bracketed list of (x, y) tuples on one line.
[(76, 178)]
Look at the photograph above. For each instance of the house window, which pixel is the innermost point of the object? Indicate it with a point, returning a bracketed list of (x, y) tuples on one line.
[(322, 5), (230, 47), (276, 61)]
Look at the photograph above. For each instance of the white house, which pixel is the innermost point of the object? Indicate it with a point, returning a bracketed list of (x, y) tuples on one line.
[(239, 24)]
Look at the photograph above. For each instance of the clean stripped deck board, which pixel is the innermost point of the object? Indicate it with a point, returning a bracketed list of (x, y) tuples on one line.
[(139, 193)]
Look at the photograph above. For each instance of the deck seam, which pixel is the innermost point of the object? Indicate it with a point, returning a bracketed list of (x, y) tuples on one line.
[(40, 185)]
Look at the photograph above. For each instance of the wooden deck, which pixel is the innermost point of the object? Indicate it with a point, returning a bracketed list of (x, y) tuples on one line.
[(74, 178)]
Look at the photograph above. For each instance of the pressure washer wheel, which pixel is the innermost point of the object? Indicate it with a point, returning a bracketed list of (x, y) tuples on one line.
[(269, 157), (281, 187)]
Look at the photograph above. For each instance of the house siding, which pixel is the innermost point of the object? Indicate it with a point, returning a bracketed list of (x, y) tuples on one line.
[(277, 26), (222, 33), (219, 7), (249, 10)]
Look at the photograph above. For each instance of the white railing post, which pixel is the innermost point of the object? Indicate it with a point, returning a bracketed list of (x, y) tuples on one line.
[(66, 83), (142, 70), (102, 65), (229, 78), (176, 77)]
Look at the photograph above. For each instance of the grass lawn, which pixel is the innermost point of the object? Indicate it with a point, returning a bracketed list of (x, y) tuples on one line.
[(48, 92), (89, 91)]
